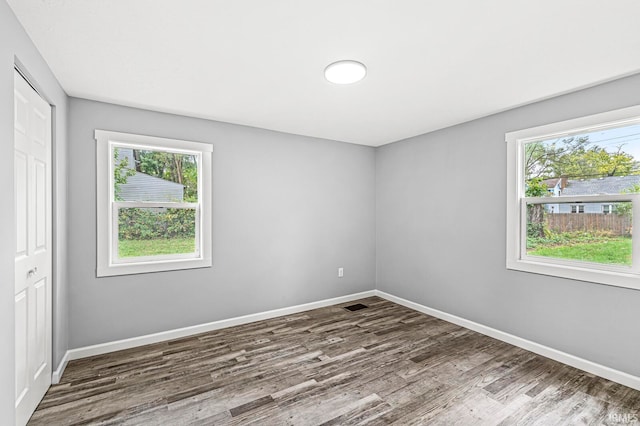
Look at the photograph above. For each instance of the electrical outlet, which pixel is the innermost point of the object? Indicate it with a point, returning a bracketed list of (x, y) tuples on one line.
[(340, 272)]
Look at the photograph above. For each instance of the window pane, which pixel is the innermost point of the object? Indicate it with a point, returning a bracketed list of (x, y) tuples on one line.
[(595, 163), (156, 231), (152, 175), (557, 231)]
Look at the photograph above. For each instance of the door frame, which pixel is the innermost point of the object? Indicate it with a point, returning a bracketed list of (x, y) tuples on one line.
[(56, 264)]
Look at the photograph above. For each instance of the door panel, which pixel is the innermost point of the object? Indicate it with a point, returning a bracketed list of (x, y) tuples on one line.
[(32, 206), (40, 205), (20, 167), (40, 335), (22, 363), (39, 128), (21, 113)]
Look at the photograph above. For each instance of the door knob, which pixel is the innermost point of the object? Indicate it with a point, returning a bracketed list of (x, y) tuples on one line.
[(32, 272)]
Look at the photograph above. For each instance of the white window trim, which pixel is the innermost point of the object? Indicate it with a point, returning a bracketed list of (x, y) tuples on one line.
[(516, 257), (106, 264)]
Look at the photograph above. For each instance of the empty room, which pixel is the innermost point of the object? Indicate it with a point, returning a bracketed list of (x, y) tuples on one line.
[(320, 212)]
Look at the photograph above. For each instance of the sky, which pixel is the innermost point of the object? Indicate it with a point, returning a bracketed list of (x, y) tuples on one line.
[(610, 139), (627, 137)]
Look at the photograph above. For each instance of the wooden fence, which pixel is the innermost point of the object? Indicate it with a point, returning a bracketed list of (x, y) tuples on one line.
[(570, 222)]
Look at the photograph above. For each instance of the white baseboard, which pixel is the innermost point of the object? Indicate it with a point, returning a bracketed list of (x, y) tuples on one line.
[(563, 357), (57, 374), (133, 342)]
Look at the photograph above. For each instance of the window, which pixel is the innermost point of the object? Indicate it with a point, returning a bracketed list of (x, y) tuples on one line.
[(596, 159), (153, 204), (577, 208)]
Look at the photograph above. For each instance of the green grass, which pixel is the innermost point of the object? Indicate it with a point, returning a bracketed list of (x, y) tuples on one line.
[(137, 248), (611, 251)]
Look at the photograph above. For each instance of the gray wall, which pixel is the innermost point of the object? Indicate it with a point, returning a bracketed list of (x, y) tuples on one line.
[(15, 45), (441, 210), (287, 212)]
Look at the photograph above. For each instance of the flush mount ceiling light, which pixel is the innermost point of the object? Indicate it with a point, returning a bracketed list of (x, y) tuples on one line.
[(345, 72)]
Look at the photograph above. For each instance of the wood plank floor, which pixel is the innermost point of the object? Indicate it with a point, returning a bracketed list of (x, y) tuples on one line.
[(384, 364)]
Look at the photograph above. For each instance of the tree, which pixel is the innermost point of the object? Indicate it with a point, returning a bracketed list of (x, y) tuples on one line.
[(175, 167), (535, 212), (596, 162), (573, 157), (546, 160), (121, 172), (576, 158), (625, 209)]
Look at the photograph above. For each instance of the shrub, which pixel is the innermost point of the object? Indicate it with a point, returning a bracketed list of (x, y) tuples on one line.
[(568, 238), (148, 224)]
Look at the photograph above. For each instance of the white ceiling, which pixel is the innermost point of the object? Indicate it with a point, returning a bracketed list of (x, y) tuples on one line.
[(431, 64)]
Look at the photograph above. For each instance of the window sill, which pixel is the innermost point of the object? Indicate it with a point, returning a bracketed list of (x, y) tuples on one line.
[(149, 267), (574, 271)]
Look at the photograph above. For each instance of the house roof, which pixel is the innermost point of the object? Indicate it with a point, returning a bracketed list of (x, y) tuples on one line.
[(604, 185), (551, 182), (143, 187)]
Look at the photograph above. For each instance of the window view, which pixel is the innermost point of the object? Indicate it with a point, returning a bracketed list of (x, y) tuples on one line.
[(573, 187), (156, 197), (156, 231), (590, 237), (153, 204)]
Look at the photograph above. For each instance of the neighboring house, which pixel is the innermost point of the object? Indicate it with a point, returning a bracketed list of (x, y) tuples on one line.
[(143, 187), (555, 187), (563, 187)]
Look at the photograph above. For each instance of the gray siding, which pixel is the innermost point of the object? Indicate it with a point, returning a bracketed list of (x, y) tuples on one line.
[(599, 186), (142, 187), (588, 207)]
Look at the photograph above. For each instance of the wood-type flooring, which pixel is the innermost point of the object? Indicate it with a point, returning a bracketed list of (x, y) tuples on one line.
[(383, 364)]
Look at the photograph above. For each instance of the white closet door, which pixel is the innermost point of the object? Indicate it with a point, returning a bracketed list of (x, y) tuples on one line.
[(32, 204)]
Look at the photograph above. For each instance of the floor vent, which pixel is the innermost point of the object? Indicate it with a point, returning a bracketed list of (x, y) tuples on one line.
[(355, 307)]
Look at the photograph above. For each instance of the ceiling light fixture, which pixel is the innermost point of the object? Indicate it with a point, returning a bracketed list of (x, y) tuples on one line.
[(345, 72)]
